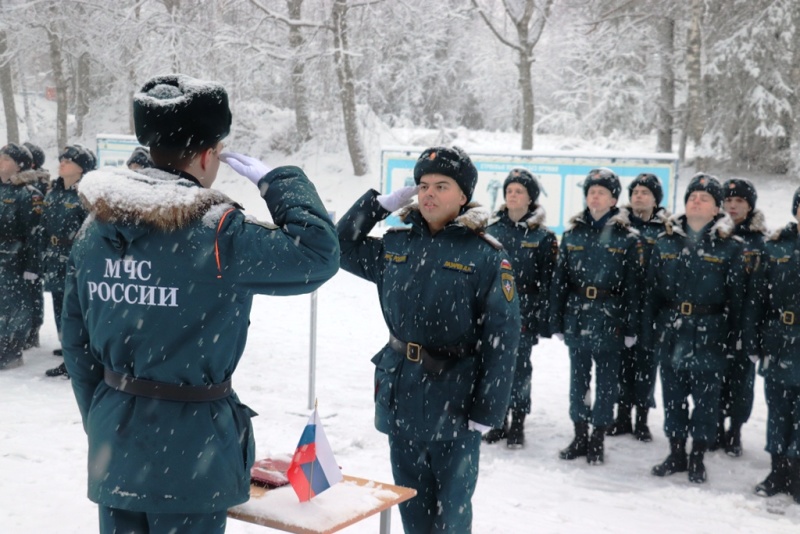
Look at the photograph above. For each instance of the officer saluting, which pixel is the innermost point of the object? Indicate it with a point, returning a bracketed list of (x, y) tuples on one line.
[(448, 298), (695, 283)]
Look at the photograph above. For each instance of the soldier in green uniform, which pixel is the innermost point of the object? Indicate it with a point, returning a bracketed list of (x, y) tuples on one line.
[(449, 301), (157, 306), (63, 216), (519, 225), (772, 335), (695, 284), (738, 383), (638, 372), (594, 306), (20, 209)]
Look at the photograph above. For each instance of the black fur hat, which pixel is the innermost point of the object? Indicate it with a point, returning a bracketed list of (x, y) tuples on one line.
[(37, 153), (604, 177), (705, 182), (21, 155), (177, 111), (741, 187), (524, 178), (141, 157), (452, 162), (79, 155), (651, 182)]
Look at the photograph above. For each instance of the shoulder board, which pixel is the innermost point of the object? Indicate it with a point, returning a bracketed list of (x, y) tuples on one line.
[(491, 240)]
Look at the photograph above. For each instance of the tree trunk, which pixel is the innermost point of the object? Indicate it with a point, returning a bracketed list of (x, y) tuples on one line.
[(526, 88), (60, 81), (30, 123), (693, 116), (347, 88), (296, 41), (666, 101), (82, 93), (7, 88), (794, 163)]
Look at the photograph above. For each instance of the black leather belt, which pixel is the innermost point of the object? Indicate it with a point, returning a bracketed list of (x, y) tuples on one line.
[(165, 391), (57, 241), (789, 317), (433, 360), (592, 292), (687, 308)]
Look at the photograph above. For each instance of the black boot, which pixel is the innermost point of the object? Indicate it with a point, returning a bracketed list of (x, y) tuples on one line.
[(10, 353), (579, 445), (32, 340), (61, 370), (794, 475), (676, 462), (496, 434), (778, 479), (58, 352), (622, 424), (733, 440), (641, 431), (719, 440), (594, 452), (516, 434), (697, 470)]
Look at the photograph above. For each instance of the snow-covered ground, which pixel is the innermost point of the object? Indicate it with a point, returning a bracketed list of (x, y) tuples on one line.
[(43, 447)]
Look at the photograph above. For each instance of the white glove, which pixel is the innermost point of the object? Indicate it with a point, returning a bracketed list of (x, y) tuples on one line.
[(251, 168), (477, 427), (754, 358), (29, 276), (398, 199), (559, 336), (630, 341)]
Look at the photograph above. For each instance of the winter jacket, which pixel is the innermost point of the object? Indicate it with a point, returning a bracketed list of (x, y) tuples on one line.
[(772, 316), (595, 291), (695, 294), (62, 217), (160, 283), (20, 210), (451, 289), (533, 250)]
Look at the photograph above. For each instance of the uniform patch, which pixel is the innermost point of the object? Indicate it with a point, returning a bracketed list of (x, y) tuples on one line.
[(8, 200), (752, 260), (395, 258), (666, 256), (70, 205), (507, 282), (712, 259), (460, 267), (783, 259), (529, 244), (615, 250), (572, 248)]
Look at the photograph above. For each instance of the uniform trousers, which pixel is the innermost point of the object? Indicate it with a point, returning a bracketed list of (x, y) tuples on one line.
[(783, 418), (704, 388), (607, 365), (118, 521)]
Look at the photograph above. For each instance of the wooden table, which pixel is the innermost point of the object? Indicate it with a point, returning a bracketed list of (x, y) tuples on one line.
[(280, 509)]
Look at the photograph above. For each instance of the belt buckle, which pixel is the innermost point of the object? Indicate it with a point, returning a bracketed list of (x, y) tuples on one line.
[(787, 318), (591, 292), (53, 240), (686, 308), (413, 352)]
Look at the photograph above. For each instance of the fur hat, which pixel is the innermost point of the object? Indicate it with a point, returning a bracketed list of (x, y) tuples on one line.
[(604, 177), (452, 162), (37, 153), (177, 111), (79, 155), (524, 178), (741, 187), (141, 157), (651, 182), (21, 155), (705, 182)]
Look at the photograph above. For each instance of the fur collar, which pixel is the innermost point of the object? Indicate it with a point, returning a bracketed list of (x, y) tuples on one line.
[(475, 217), (660, 217), (756, 223), (536, 219), (790, 230), (621, 219), (150, 197), (723, 226), (29, 177)]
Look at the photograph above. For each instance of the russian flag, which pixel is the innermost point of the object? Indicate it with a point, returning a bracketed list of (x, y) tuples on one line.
[(313, 468)]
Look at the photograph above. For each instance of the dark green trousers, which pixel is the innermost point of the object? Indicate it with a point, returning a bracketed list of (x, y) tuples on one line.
[(116, 521), (607, 365), (738, 384), (521, 391), (704, 388), (783, 419), (637, 377)]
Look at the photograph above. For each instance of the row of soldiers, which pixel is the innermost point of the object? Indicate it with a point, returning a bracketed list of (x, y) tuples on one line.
[(39, 219), (706, 296)]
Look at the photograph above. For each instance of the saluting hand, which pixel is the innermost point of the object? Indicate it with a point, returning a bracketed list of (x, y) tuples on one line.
[(251, 168), (398, 199)]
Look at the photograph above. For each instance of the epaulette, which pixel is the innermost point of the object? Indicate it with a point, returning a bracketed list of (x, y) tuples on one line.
[(491, 240)]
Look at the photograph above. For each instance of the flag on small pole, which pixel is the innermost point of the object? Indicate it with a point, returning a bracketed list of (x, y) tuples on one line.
[(313, 468)]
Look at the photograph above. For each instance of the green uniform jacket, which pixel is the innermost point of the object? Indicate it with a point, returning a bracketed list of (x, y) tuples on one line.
[(533, 250), (772, 317), (20, 210), (452, 288), (159, 286), (62, 217), (686, 279), (607, 260)]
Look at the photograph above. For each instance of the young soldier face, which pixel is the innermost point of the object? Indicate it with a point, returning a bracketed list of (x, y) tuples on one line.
[(68, 169), (642, 199), (599, 200), (797, 215), (440, 199), (737, 208), (701, 206), (517, 197), (8, 167)]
